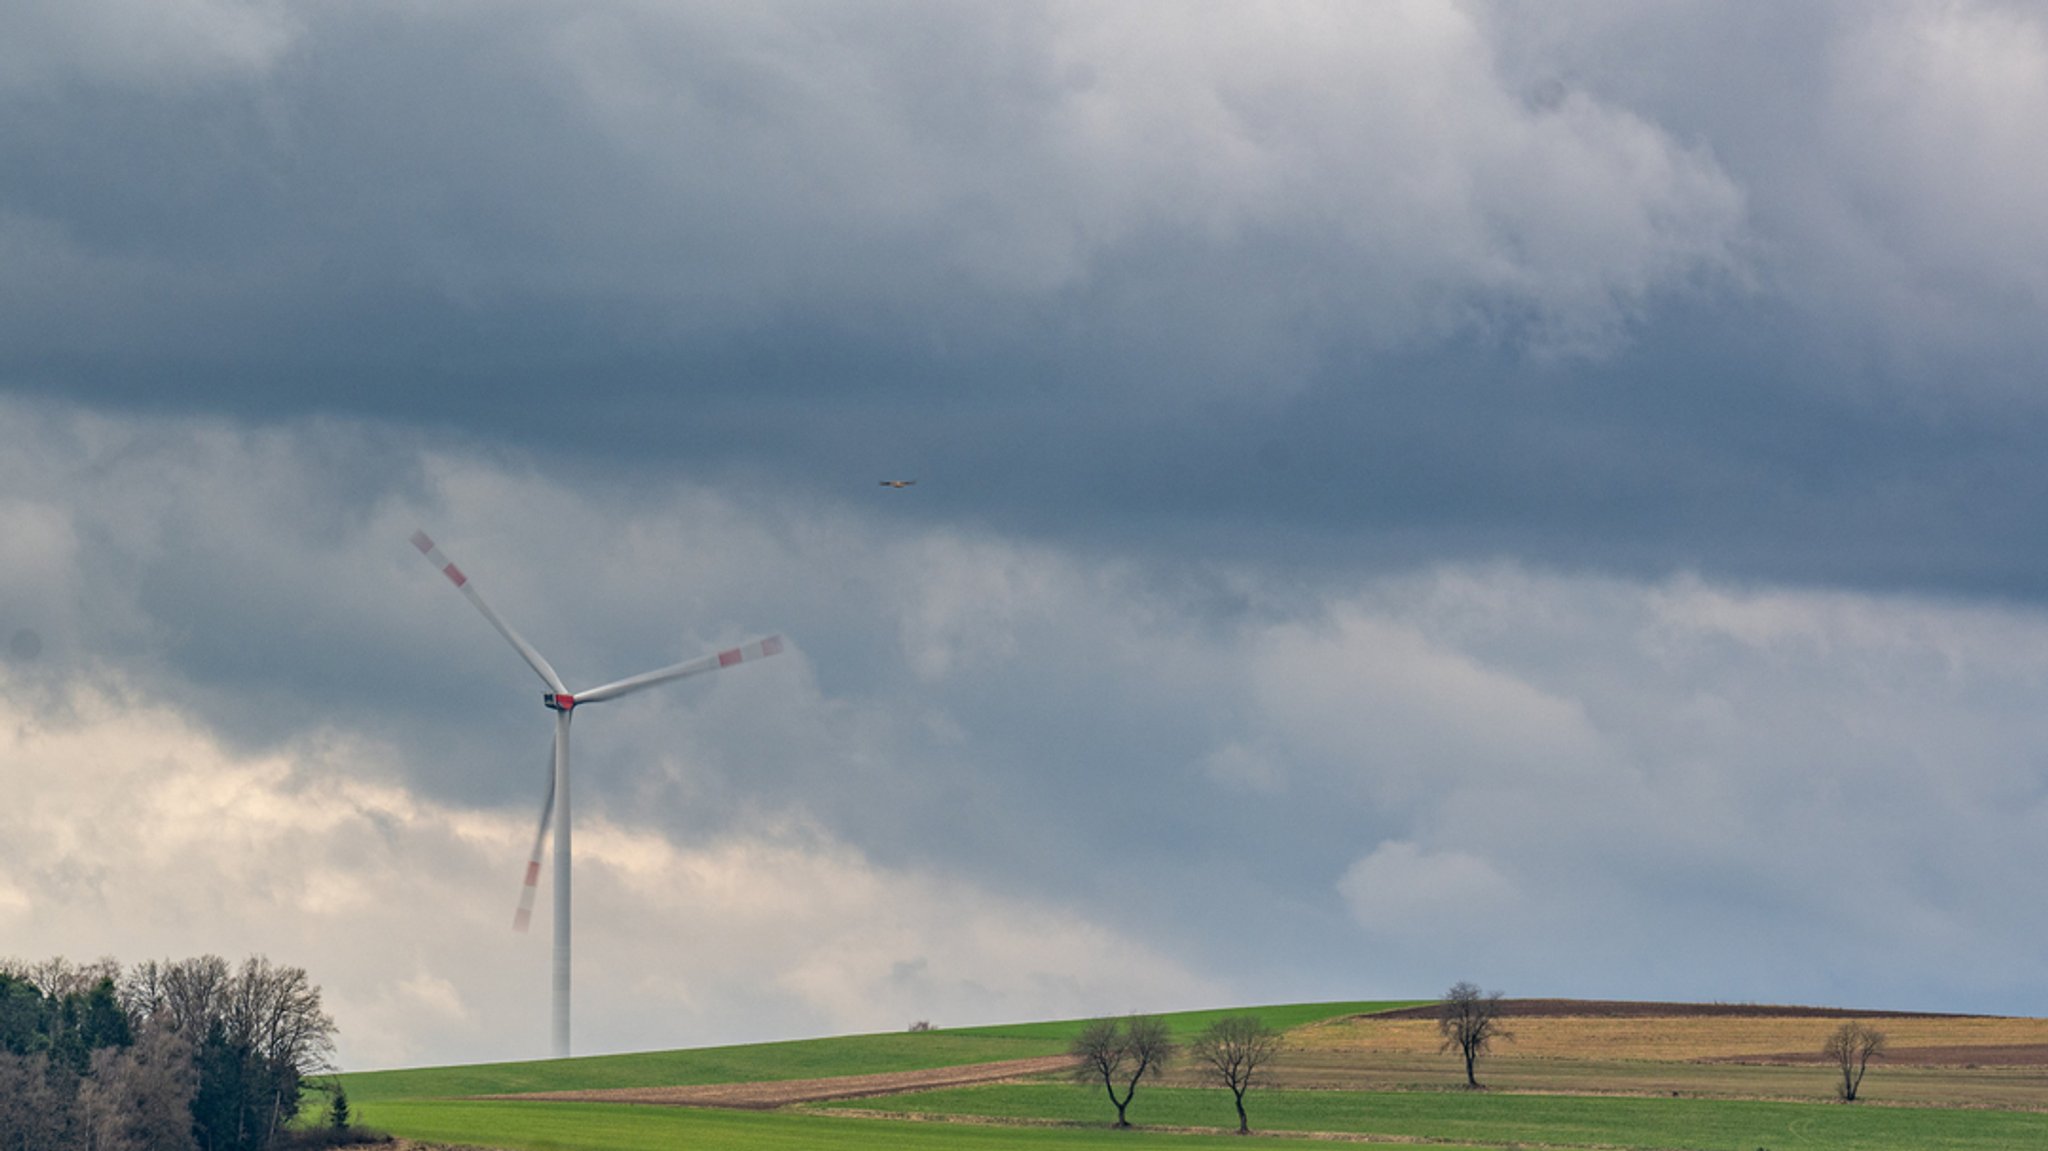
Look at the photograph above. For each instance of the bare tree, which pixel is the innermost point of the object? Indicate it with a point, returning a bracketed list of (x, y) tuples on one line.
[(257, 1032), (1470, 1021), (139, 1098), (1231, 1052), (142, 989), (36, 1113), (59, 977), (1116, 1053), (169, 1057), (271, 1018), (1850, 1049), (276, 1010), (192, 993)]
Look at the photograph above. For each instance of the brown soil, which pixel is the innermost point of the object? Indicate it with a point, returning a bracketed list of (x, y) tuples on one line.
[(1628, 1009), (1959, 1055), (1725, 1033), (765, 1096)]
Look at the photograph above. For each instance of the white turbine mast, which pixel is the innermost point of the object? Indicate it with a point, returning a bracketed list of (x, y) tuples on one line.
[(559, 699)]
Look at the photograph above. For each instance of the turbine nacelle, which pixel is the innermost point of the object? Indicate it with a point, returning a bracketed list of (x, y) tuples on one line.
[(558, 700)]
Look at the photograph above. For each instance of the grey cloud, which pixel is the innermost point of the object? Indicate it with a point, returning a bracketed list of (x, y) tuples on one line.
[(139, 44), (1589, 285), (134, 833), (1618, 764), (1763, 757), (1569, 455), (407, 201), (1880, 147)]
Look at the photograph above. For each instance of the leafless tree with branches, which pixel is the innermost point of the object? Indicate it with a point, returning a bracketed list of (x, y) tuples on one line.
[(1850, 1049), (1117, 1052), (1231, 1052), (1469, 1021), (139, 1098)]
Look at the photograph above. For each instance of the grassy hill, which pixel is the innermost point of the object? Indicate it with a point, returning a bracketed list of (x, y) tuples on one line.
[(797, 1059), (1663, 1078)]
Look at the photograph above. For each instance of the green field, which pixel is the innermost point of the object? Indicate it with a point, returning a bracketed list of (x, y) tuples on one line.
[(799, 1059), (802, 1059), (1504, 1119), (616, 1127), (1554, 1105)]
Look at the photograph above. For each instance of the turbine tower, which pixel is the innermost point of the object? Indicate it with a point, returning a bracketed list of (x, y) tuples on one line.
[(555, 808)]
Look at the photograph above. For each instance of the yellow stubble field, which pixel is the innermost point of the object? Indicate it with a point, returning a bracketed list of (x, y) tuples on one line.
[(1711, 1050)]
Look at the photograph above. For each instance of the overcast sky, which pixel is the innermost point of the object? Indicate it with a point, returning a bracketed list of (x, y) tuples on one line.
[(1542, 494)]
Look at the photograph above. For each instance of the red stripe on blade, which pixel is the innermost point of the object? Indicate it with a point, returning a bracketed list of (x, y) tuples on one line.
[(771, 645), (455, 573), (420, 541), (728, 658)]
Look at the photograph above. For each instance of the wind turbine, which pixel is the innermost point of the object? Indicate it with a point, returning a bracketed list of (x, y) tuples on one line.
[(563, 702)]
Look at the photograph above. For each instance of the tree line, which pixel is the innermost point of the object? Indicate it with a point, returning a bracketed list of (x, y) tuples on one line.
[(1232, 1052), (1117, 1054), (177, 1055)]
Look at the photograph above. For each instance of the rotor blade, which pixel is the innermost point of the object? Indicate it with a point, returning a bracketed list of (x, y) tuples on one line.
[(461, 582), (524, 916), (745, 653)]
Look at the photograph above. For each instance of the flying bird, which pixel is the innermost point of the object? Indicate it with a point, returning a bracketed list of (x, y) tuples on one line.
[(897, 483)]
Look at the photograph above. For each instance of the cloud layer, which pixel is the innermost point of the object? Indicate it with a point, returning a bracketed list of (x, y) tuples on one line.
[(141, 836), (1563, 467), (991, 779)]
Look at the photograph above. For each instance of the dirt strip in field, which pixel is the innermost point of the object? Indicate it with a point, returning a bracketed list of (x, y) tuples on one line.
[(766, 1096)]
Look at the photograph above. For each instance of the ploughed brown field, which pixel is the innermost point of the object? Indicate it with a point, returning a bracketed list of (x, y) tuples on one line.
[(1705, 1049)]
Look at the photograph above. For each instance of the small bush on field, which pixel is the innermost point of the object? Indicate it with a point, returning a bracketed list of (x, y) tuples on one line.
[(921, 1025)]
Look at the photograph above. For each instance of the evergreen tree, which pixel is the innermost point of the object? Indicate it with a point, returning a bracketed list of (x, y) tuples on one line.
[(25, 1016), (337, 1108)]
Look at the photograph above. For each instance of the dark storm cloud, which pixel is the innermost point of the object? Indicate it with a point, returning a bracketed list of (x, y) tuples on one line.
[(1586, 285), (1090, 268)]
